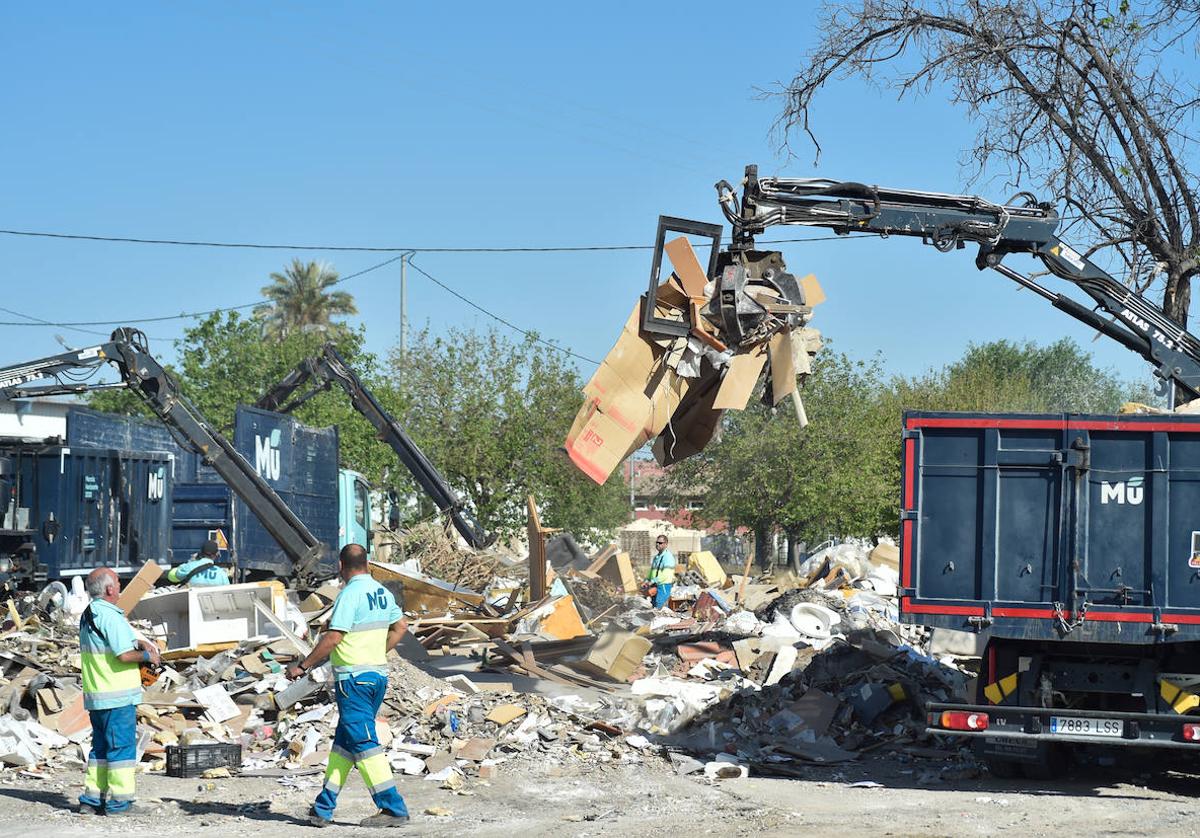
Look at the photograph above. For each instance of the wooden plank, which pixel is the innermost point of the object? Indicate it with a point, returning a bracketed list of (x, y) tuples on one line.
[(741, 594), (537, 553)]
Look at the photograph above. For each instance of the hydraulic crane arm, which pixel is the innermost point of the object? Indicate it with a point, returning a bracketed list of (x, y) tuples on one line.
[(949, 222), (330, 368), (127, 351)]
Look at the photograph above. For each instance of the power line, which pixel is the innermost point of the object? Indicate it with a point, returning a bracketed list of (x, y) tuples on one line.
[(497, 317), (37, 321), (369, 249), (122, 321)]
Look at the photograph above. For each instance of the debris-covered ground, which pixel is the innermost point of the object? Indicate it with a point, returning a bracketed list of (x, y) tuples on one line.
[(761, 705)]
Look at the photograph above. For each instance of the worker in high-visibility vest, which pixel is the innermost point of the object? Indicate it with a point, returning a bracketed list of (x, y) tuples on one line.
[(661, 575), (364, 626), (110, 657)]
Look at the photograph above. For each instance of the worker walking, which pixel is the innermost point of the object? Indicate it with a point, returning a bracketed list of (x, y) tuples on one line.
[(364, 626), (201, 571), (662, 572), (112, 689)]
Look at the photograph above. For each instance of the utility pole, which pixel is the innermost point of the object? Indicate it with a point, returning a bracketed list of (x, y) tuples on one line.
[(404, 257)]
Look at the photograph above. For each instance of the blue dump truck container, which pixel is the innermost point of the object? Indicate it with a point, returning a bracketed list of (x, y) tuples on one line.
[(299, 462), (72, 509), (1073, 542)]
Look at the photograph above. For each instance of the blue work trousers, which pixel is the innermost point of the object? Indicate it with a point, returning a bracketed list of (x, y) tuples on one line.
[(355, 745), (663, 594), (113, 759)]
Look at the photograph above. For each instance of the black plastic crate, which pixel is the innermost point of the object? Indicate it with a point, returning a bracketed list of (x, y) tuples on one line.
[(194, 760)]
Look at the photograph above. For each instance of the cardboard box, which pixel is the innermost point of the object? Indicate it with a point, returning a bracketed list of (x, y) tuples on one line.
[(618, 572), (628, 401), (616, 654)]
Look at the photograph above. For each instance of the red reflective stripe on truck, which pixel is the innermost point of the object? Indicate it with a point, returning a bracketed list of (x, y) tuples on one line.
[(1121, 616), (1187, 619), (909, 457), (906, 604), (1048, 613), (906, 556), (1035, 613), (989, 422)]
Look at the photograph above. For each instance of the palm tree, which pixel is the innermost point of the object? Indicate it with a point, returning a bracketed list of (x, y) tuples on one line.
[(299, 299)]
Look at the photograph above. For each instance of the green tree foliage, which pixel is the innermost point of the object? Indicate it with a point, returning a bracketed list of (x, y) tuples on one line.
[(301, 299), (492, 413), (840, 475), (831, 477), (1004, 376)]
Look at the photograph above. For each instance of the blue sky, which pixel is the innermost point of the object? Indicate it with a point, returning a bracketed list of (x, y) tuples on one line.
[(451, 125)]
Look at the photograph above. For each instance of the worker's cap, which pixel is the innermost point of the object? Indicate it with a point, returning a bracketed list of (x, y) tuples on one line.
[(210, 548)]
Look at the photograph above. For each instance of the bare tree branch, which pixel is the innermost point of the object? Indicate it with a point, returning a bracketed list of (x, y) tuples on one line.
[(1070, 96)]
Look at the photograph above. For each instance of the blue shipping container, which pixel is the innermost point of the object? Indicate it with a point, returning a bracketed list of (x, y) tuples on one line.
[(299, 462), (83, 508), (1052, 527)]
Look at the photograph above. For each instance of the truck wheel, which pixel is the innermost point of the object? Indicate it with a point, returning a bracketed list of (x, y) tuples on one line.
[(1003, 769)]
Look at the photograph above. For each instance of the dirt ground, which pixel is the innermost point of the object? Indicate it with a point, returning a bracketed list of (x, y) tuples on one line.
[(643, 800)]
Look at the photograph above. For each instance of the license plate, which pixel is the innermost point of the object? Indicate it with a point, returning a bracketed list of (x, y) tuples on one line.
[(1074, 726)]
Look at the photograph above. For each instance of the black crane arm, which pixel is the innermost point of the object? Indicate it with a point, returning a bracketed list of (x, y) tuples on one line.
[(127, 351), (330, 368), (949, 222)]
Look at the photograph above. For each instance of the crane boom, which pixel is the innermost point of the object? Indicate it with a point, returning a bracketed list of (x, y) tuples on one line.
[(329, 368), (949, 222), (127, 351)]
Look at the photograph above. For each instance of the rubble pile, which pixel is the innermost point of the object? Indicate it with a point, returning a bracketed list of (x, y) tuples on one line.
[(749, 675)]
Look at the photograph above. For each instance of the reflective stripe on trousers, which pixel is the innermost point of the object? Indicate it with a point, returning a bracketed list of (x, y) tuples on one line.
[(112, 762), (355, 744)]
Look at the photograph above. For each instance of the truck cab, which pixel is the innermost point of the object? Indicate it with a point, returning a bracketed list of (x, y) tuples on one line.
[(354, 509)]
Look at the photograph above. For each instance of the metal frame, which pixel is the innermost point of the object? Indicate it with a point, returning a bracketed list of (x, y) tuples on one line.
[(670, 224)]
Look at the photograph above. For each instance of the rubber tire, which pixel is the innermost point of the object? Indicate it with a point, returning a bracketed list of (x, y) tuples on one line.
[(1003, 769)]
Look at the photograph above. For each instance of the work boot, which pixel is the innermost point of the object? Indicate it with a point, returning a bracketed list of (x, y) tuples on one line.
[(89, 809), (384, 819), (316, 820)]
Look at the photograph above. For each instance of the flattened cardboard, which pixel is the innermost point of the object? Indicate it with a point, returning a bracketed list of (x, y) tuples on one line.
[(740, 378), (138, 586), (627, 402), (687, 266), (814, 294), (783, 370)]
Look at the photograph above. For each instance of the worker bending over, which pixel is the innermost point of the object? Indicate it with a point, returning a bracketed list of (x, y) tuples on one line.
[(201, 571), (364, 626)]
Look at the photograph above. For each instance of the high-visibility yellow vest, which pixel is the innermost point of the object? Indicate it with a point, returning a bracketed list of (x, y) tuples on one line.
[(108, 682), (363, 610)]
